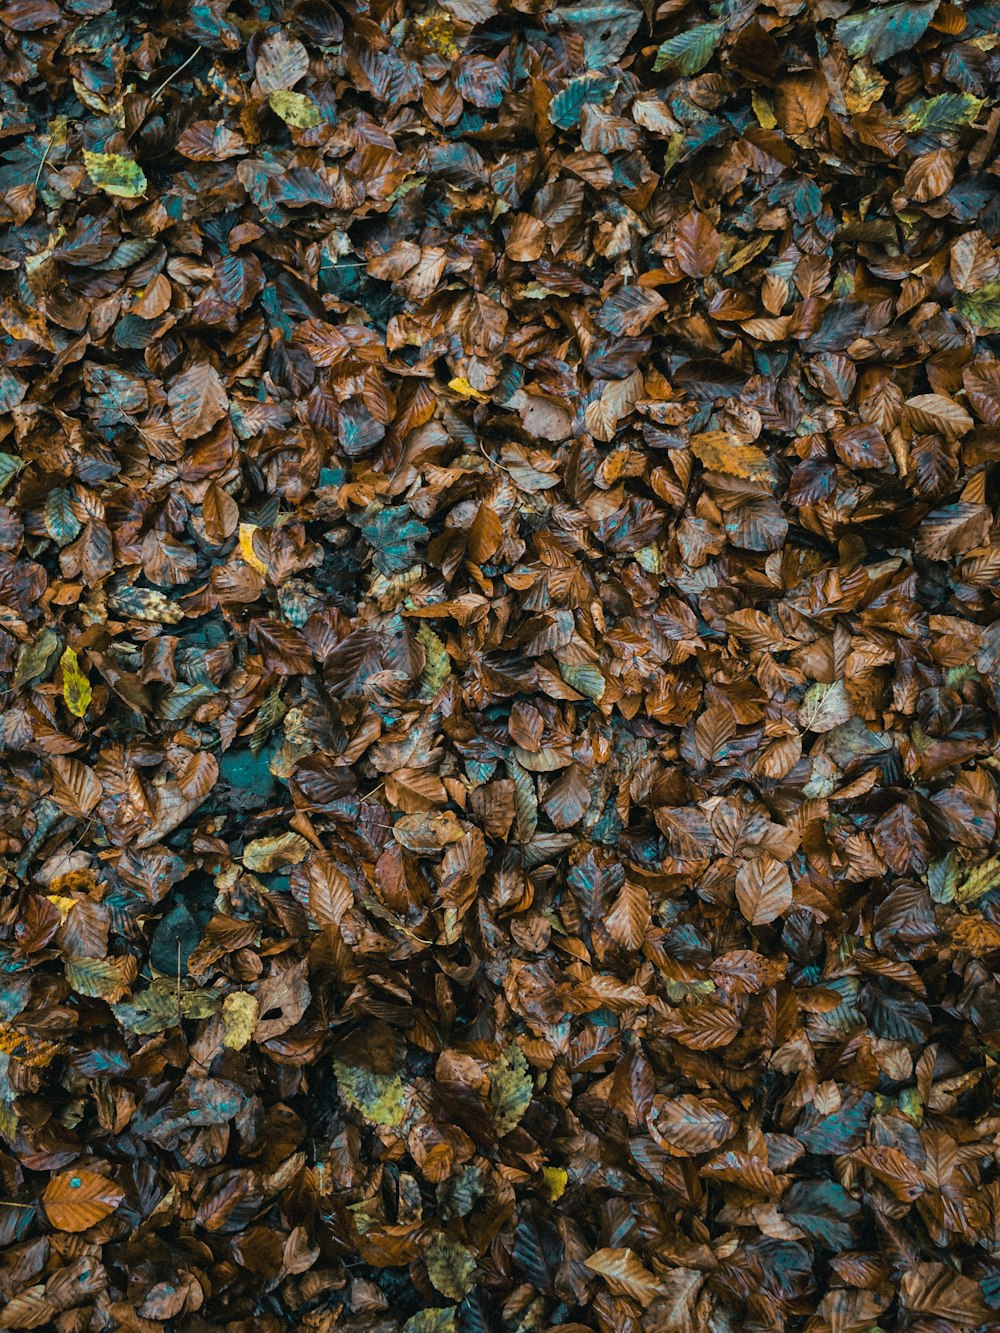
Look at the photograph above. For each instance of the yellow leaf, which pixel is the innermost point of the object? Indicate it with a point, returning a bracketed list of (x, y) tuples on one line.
[(763, 110), (295, 109), (251, 557), (554, 1179), (264, 855), (451, 1267), (864, 88), (381, 1098), (76, 686), (437, 663), (980, 880), (240, 1012), (461, 386), (115, 175), (720, 452), (31, 1051)]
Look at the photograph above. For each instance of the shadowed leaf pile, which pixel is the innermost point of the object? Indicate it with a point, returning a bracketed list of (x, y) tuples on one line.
[(500, 715)]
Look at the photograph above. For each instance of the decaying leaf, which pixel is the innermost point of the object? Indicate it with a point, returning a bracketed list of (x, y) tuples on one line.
[(499, 666)]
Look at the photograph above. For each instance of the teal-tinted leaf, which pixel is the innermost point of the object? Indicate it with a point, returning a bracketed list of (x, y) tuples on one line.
[(206, 26), (968, 67), (359, 431), (895, 1018), (174, 940), (942, 878), (9, 467), (119, 396), (882, 33), (690, 51), (11, 390), (837, 1133), (393, 534), (824, 1210), (126, 254), (606, 26), (61, 523), (565, 107), (247, 773)]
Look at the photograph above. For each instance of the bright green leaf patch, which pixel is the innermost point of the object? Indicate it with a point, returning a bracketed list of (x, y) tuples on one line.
[(982, 307), (116, 175), (381, 1098), (295, 109), (689, 52), (511, 1090)]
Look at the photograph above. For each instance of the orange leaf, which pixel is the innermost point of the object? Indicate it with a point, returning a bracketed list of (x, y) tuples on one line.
[(77, 1200)]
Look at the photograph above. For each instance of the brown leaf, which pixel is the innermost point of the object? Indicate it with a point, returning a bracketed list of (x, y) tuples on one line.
[(624, 1273), (696, 245), (763, 889), (197, 400)]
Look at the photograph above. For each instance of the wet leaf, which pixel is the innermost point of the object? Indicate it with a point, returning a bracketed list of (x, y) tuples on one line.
[(76, 687), (78, 1199), (118, 176)]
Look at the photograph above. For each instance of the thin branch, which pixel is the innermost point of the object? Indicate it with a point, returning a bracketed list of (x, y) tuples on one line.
[(173, 75)]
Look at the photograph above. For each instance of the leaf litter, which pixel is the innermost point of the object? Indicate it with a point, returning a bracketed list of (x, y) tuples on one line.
[(500, 683)]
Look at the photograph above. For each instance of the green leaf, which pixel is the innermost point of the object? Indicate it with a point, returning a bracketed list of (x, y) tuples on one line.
[(980, 881), (295, 109), (437, 663), (884, 32), (981, 308), (689, 52), (34, 658), (115, 175), (450, 1266), (434, 1320), (586, 679), (154, 1010), (949, 111), (511, 1090), (145, 604), (272, 710), (101, 978), (9, 468), (381, 1098)]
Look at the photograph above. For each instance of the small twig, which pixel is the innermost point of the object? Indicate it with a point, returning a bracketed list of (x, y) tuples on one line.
[(495, 462), (196, 52), (41, 165)]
